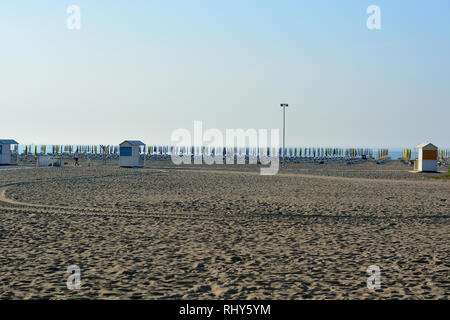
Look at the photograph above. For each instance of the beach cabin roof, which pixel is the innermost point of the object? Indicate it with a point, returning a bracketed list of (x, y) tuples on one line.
[(8, 141), (134, 142), (426, 145)]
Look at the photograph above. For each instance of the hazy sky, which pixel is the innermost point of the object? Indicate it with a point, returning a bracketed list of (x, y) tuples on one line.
[(141, 69)]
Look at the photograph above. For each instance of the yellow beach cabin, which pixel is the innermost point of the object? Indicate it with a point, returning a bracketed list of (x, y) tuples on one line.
[(426, 158)]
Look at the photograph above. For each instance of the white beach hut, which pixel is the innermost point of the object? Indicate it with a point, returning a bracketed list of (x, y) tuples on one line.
[(426, 158), (6, 156), (130, 155)]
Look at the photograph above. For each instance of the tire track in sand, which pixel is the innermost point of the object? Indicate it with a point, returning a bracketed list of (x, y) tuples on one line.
[(14, 205)]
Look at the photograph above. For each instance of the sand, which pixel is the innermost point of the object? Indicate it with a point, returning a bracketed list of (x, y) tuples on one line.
[(224, 232)]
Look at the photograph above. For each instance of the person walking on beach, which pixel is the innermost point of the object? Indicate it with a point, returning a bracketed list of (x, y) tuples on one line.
[(75, 157)]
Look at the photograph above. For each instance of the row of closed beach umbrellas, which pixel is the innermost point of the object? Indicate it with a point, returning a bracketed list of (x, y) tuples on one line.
[(407, 154), (291, 152)]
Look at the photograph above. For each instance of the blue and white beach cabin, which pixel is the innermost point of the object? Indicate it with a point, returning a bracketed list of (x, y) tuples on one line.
[(6, 156), (129, 154)]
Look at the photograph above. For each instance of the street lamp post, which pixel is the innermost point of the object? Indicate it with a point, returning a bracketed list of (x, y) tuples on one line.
[(284, 105)]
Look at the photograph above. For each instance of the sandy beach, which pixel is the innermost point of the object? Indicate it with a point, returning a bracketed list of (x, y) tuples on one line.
[(224, 232)]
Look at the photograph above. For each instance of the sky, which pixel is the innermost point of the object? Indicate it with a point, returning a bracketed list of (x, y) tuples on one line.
[(142, 69)]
